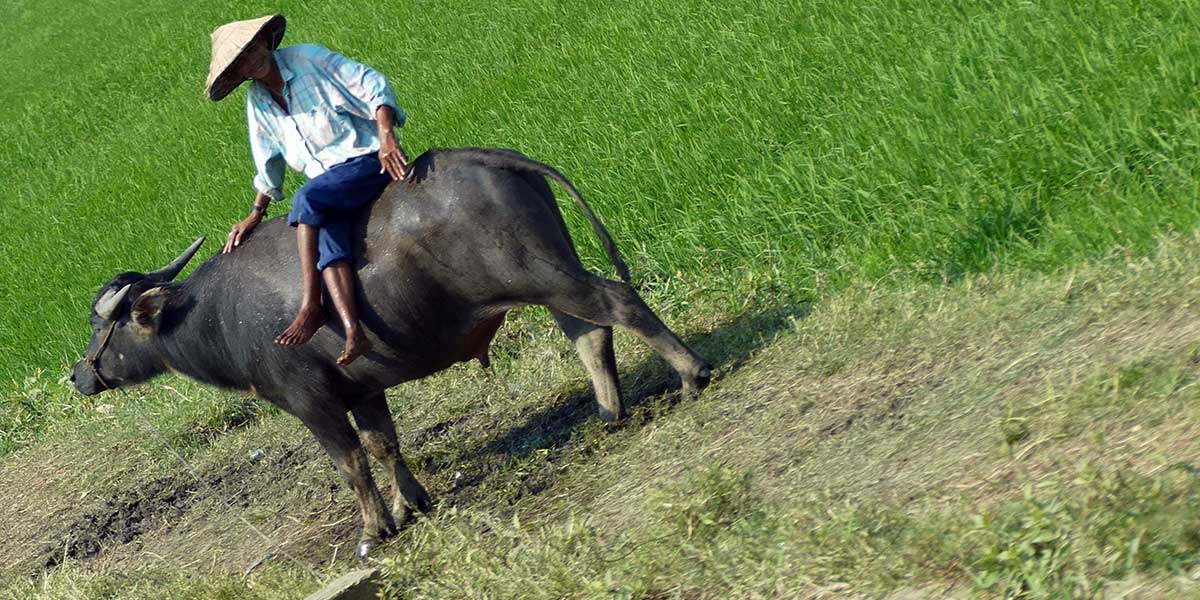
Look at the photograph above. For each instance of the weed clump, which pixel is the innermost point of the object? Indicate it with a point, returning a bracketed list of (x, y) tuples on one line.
[(1068, 540), (711, 501), (712, 522), (211, 420), (33, 406)]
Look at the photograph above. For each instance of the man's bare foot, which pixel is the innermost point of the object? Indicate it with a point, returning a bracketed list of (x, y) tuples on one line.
[(357, 344), (306, 324)]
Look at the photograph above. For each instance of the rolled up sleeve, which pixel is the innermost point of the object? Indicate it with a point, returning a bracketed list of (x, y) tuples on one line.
[(366, 88), (267, 155)]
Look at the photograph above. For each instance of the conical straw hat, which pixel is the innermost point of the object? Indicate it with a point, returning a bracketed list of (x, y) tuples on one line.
[(228, 42)]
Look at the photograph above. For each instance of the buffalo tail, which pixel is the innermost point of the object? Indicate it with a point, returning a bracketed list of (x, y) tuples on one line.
[(509, 159)]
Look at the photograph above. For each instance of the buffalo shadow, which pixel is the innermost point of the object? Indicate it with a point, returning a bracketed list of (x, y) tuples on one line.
[(727, 347)]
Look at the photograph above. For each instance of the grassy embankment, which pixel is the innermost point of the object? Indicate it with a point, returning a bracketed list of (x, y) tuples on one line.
[(748, 160), (1009, 433)]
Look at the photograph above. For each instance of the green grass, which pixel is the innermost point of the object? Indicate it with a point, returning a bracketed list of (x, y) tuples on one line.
[(756, 152), (713, 537)]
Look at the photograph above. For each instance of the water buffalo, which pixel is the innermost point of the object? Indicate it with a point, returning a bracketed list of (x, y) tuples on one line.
[(443, 255)]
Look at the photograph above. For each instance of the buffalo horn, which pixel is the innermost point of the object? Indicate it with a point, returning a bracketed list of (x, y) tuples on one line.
[(108, 303), (169, 272)]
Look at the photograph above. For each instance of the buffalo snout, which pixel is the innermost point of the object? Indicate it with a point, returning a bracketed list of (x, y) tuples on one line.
[(84, 380)]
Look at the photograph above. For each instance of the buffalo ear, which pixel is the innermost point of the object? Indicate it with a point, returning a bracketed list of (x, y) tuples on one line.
[(147, 310)]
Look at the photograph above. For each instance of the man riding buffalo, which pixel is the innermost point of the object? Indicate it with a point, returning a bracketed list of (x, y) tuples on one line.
[(442, 256), (330, 118)]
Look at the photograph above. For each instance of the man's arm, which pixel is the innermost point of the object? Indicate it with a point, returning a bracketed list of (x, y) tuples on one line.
[(370, 97), (268, 177), (366, 88), (391, 156), (266, 153)]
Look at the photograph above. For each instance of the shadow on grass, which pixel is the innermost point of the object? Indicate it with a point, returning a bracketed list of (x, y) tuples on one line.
[(727, 347)]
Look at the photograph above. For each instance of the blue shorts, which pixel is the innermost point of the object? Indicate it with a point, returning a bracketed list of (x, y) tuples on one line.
[(331, 202)]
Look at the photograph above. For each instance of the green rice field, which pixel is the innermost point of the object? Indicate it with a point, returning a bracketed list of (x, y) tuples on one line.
[(759, 150)]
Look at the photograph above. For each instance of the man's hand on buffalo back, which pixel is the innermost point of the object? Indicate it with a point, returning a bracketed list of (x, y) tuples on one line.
[(392, 157), (240, 231)]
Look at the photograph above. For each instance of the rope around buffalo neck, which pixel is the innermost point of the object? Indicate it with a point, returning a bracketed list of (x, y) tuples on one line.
[(93, 360), (275, 546)]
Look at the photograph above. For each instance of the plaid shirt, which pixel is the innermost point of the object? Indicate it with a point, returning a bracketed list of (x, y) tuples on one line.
[(331, 115)]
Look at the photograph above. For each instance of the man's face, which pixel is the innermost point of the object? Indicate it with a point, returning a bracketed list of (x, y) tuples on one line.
[(255, 62)]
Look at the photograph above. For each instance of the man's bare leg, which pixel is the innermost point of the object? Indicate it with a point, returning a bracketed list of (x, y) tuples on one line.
[(339, 280), (311, 316)]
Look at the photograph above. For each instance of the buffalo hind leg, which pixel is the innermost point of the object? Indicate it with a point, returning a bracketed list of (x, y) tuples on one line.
[(378, 434), (340, 441), (594, 345), (607, 303)]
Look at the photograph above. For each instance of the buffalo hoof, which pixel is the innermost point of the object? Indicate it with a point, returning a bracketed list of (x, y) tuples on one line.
[(692, 386), (364, 548), (418, 499), (403, 514), (612, 418)]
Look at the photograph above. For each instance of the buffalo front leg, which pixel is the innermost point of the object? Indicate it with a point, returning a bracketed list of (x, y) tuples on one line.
[(378, 434), (607, 303), (594, 345), (339, 440)]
